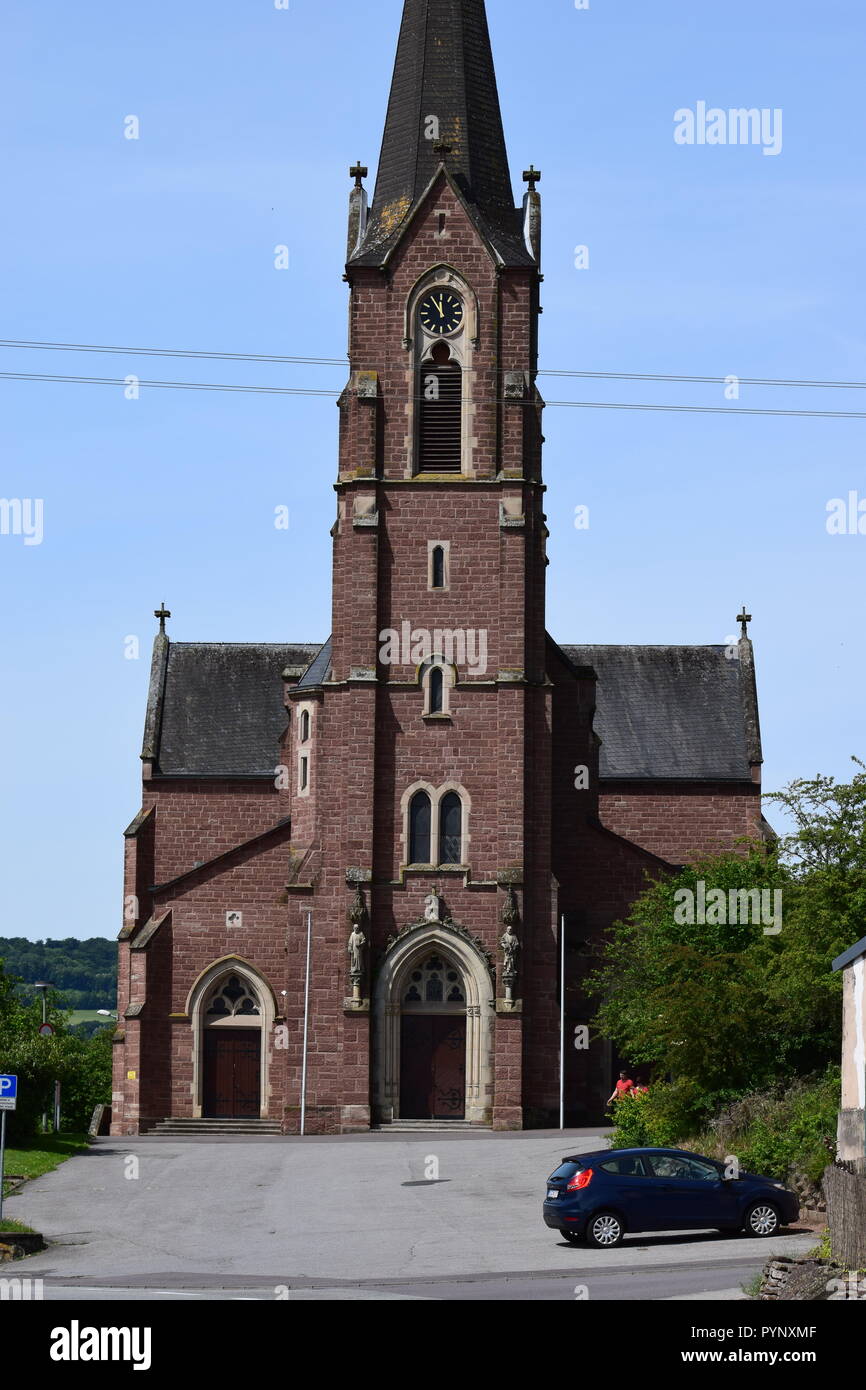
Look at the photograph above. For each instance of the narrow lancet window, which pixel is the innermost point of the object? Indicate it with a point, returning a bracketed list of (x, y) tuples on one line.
[(419, 829)]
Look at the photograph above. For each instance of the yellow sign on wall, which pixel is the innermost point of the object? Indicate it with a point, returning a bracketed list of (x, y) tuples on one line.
[(132, 1076)]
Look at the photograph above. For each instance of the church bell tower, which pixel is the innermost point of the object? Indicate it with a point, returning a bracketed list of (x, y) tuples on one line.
[(425, 784)]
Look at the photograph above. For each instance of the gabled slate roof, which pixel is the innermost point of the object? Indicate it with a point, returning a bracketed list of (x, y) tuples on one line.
[(669, 712), (222, 707), (663, 713), (318, 669), (444, 68)]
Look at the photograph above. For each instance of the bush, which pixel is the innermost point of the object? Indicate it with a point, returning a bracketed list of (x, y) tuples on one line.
[(784, 1127), (88, 1079), (662, 1116), (81, 1065)]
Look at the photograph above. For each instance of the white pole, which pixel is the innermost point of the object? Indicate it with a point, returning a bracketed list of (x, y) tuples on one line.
[(562, 1022), (306, 1025)]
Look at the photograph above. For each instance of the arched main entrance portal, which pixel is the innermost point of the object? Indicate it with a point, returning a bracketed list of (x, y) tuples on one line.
[(433, 1042), (232, 1012), (433, 1010)]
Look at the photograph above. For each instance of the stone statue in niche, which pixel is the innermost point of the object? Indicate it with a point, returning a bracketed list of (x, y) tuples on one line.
[(432, 908), (357, 943), (509, 944)]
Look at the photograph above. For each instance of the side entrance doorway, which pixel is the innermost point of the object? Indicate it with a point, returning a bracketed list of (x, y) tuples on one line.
[(232, 1073)]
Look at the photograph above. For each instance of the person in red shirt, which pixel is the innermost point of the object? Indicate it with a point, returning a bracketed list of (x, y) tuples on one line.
[(624, 1087)]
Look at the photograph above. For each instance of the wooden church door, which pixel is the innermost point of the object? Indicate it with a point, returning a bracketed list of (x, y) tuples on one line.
[(433, 1067), (232, 1073)]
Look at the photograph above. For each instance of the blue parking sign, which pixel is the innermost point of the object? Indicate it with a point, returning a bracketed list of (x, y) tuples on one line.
[(8, 1092)]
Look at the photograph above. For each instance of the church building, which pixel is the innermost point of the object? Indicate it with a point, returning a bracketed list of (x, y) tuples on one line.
[(360, 863)]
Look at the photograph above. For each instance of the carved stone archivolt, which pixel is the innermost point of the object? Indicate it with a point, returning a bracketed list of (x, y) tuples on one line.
[(447, 925)]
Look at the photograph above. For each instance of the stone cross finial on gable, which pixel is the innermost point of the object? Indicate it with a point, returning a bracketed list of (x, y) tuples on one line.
[(442, 148), (744, 619), (358, 172), (532, 176), (161, 613)]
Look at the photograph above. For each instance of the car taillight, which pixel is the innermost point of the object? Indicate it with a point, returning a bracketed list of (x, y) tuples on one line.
[(580, 1180)]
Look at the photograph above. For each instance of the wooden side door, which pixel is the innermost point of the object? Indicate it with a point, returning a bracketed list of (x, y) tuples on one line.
[(232, 1073)]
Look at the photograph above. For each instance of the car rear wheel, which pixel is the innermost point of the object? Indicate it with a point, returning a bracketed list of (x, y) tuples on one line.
[(761, 1219), (604, 1230)]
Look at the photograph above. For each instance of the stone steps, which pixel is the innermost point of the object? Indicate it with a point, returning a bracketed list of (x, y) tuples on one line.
[(424, 1126), (210, 1127)]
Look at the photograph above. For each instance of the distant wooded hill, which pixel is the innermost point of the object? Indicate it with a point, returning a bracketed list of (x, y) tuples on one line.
[(84, 972)]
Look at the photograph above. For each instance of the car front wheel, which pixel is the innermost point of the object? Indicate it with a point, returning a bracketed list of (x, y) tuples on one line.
[(604, 1230), (761, 1219)]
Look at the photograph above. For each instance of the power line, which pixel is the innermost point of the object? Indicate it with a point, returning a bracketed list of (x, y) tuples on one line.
[(311, 391), (169, 385), (175, 352), (706, 380), (343, 362)]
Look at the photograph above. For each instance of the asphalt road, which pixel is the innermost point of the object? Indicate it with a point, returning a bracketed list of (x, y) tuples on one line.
[(350, 1218)]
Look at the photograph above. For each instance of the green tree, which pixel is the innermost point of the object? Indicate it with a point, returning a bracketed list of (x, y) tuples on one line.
[(825, 907), (692, 997), (82, 1066), (730, 1006)]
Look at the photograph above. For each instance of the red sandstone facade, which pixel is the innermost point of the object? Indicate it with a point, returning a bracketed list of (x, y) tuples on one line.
[(230, 871)]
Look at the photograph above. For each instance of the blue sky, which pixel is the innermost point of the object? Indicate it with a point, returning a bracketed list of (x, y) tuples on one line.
[(703, 260)]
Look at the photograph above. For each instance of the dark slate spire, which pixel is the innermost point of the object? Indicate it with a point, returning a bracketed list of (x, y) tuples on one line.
[(444, 72)]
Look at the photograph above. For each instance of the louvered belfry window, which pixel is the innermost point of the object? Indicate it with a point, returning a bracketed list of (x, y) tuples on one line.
[(440, 389)]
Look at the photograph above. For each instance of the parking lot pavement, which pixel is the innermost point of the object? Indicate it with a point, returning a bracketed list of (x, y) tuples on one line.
[(350, 1211)]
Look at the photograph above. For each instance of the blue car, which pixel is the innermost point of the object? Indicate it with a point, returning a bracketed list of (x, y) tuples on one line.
[(597, 1197)]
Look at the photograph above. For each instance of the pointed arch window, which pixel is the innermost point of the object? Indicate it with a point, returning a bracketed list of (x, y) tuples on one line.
[(435, 981), (419, 829), (450, 829), (232, 998), (437, 567), (305, 725), (437, 690), (436, 680)]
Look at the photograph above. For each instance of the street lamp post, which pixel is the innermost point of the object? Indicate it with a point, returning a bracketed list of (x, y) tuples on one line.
[(43, 986)]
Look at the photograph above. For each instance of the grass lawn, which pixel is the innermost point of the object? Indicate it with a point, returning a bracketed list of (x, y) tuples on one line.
[(41, 1155)]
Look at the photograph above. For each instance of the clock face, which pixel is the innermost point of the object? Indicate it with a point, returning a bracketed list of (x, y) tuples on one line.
[(441, 311)]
